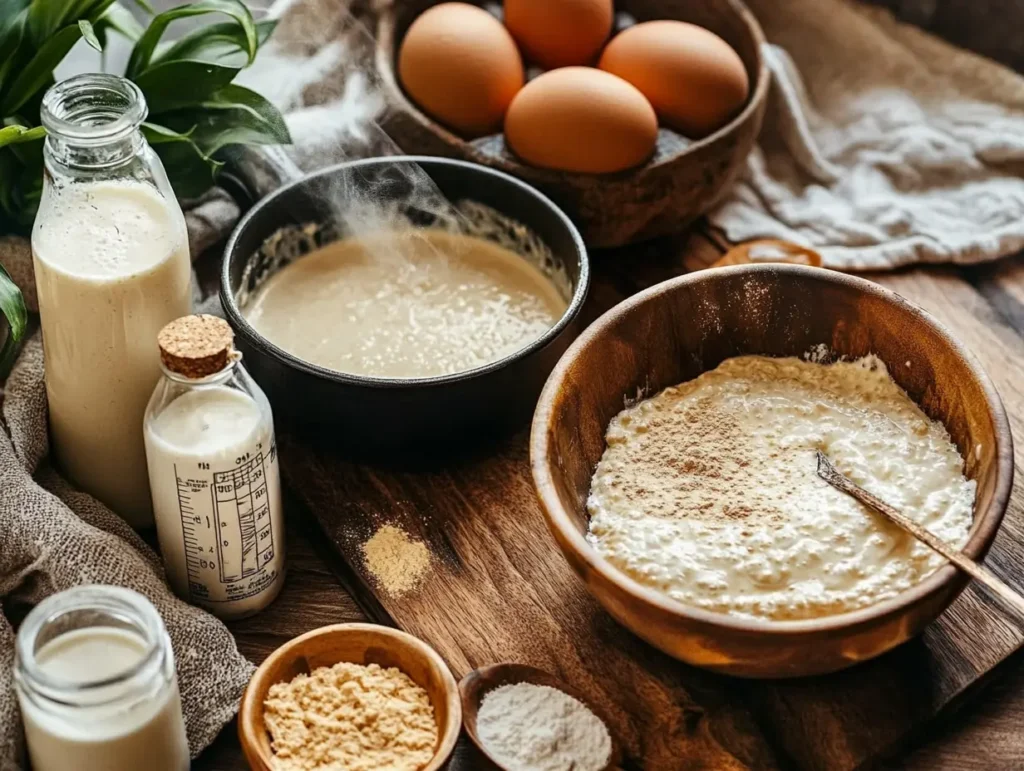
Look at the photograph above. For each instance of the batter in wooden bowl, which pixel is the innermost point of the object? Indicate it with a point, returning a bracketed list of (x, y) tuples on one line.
[(708, 492)]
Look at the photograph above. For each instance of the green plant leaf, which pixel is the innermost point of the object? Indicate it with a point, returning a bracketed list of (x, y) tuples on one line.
[(29, 151), (121, 20), (21, 177), (10, 135), (217, 41), (142, 53), (157, 134), (26, 190), (233, 115), (9, 11), (39, 70), (247, 106), (46, 17), (89, 34), (173, 85), (144, 5), (190, 171), (94, 12), (11, 34), (8, 172), (12, 305)]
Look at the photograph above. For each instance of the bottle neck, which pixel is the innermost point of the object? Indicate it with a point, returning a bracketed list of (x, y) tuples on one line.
[(93, 122), (107, 156)]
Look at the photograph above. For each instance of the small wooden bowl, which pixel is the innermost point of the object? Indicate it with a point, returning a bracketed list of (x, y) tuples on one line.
[(676, 330), (478, 683), (359, 644), (683, 180)]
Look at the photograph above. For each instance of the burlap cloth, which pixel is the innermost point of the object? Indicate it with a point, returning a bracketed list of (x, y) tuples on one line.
[(53, 537)]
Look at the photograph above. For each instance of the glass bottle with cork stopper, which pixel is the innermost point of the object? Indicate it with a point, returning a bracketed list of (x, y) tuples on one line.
[(213, 471)]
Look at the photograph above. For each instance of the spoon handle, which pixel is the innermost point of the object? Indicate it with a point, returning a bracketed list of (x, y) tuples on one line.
[(830, 474)]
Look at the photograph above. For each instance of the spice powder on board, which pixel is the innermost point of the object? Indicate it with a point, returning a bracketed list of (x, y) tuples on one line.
[(397, 562)]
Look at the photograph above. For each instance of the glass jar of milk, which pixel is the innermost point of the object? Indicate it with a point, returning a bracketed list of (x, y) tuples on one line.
[(112, 267), (95, 678), (214, 474)]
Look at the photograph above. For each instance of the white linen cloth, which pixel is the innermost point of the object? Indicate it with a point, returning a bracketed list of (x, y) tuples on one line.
[(882, 145)]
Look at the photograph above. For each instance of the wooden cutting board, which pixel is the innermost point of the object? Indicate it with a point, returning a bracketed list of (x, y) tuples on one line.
[(499, 589)]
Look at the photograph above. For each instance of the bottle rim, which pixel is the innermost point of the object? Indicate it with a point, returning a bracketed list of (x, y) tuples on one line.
[(93, 109), (134, 613)]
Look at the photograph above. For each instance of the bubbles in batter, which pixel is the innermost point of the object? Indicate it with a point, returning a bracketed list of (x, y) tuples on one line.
[(708, 491), (410, 304)]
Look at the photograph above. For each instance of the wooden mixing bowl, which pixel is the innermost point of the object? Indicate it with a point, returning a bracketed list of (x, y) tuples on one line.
[(359, 644), (683, 179), (674, 331)]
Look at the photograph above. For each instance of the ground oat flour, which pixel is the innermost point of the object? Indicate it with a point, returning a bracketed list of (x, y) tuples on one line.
[(529, 727), (359, 718)]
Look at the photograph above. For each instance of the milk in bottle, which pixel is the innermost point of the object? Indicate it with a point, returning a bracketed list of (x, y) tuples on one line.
[(112, 268)]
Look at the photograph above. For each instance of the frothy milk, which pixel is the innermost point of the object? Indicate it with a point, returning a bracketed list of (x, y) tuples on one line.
[(149, 735), (112, 268), (406, 304)]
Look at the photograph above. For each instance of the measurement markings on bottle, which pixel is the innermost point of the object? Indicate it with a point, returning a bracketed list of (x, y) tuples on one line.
[(227, 528)]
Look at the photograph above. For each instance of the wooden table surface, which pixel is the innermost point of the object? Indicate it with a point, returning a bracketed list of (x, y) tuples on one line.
[(983, 734)]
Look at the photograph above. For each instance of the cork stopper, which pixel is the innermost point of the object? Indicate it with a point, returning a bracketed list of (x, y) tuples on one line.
[(196, 346)]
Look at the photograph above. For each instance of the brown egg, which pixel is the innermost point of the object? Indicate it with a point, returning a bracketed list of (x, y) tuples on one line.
[(581, 119), (694, 79), (461, 67), (559, 33)]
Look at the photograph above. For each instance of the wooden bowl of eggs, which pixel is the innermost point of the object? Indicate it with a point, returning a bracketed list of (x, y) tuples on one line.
[(634, 117)]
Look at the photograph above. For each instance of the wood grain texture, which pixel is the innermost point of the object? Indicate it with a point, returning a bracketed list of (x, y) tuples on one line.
[(985, 307), (682, 180), (496, 593)]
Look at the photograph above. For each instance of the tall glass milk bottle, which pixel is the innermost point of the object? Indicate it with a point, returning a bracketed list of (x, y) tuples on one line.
[(112, 268)]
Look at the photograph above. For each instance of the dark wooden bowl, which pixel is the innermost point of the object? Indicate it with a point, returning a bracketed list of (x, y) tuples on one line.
[(671, 333), (358, 644), (478, 683), (681, 182)]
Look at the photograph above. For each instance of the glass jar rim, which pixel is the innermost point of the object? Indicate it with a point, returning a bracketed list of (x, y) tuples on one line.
[(113, 97), (114, 600)]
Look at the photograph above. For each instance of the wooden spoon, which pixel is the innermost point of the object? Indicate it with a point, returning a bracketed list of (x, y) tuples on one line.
[(769, 250), (830, 474), (478, 683)]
